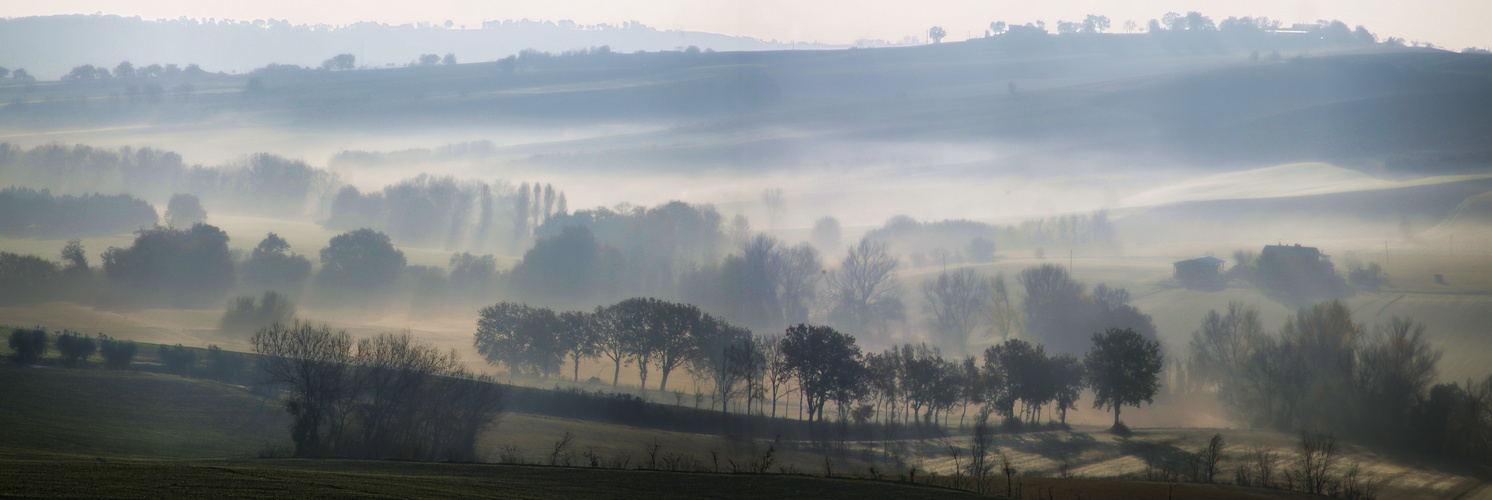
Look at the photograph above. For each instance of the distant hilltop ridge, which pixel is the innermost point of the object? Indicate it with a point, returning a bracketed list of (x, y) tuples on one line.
[(48, 46)]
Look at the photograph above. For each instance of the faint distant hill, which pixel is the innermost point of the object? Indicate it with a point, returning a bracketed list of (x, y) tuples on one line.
[(48, 46)]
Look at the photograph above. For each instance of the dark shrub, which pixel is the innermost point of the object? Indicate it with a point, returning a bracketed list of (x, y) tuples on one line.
[(178, 359), (75, 348), (28, 345), (118, 354), (225, 366)]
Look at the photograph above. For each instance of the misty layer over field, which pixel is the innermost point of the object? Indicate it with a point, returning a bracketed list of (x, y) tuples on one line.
[(1275, 229)]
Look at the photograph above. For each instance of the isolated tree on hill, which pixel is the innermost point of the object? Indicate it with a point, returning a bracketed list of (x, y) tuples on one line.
[(449, 59), (4, 72), (363, 259), (997, 27), (1130, 26), (825, 362), (864, 291), (21, 74), (1122, 370), (184, 210), (429, 59), (937, 34)]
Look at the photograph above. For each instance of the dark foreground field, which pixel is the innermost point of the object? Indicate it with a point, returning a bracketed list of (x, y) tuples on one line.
[(57, 477), (93, 433)]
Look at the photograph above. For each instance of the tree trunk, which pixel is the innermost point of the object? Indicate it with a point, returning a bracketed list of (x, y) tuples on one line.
[(616, 374), (1116, 416), (577, 368), (663, 384)]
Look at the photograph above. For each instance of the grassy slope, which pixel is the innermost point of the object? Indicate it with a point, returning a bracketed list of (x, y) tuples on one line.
[(92, 411)]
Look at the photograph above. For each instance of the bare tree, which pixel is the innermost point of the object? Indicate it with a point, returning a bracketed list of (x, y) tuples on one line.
[(1212, 457), (798, 271), (864, 291), (954, 302), (777, 373), (313, 362), (1315, 457), (1002, 317)]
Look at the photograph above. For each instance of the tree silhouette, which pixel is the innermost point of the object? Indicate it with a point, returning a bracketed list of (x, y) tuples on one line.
[(825, 362), (1122, 369), (184, 210), (937, 34), (363, 259)]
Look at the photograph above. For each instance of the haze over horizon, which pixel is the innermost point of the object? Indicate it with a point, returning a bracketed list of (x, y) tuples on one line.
[(1444, 23)]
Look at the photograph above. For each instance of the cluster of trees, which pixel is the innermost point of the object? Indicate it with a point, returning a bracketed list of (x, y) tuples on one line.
[(183, 267), (957, 241), (818, 363), (244, 315), (1297, 281), (1322, 370), (39, 214), (30, 345), (442, 212), (657, 243), (258, 184), (388, 396), (126, 70), (19, 75)]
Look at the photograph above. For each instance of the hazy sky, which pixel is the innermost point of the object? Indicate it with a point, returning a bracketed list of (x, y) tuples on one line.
[(1450, 23)]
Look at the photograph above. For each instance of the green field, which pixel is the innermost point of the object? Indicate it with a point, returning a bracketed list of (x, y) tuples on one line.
[(88, 432)]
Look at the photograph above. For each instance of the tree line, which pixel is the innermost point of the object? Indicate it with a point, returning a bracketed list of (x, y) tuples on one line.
[(1324, 371), (39, 214), (818, 364)]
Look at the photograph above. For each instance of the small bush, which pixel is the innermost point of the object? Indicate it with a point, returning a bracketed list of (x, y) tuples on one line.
[(28, 346), (75, 348), (118, 354), (178, 359)]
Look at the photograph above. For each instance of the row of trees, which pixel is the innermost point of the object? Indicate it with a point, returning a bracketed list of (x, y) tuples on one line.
[(442, 212), (39, 214), (127, 70), (1322, 370), (817, 363), (261, 184)]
